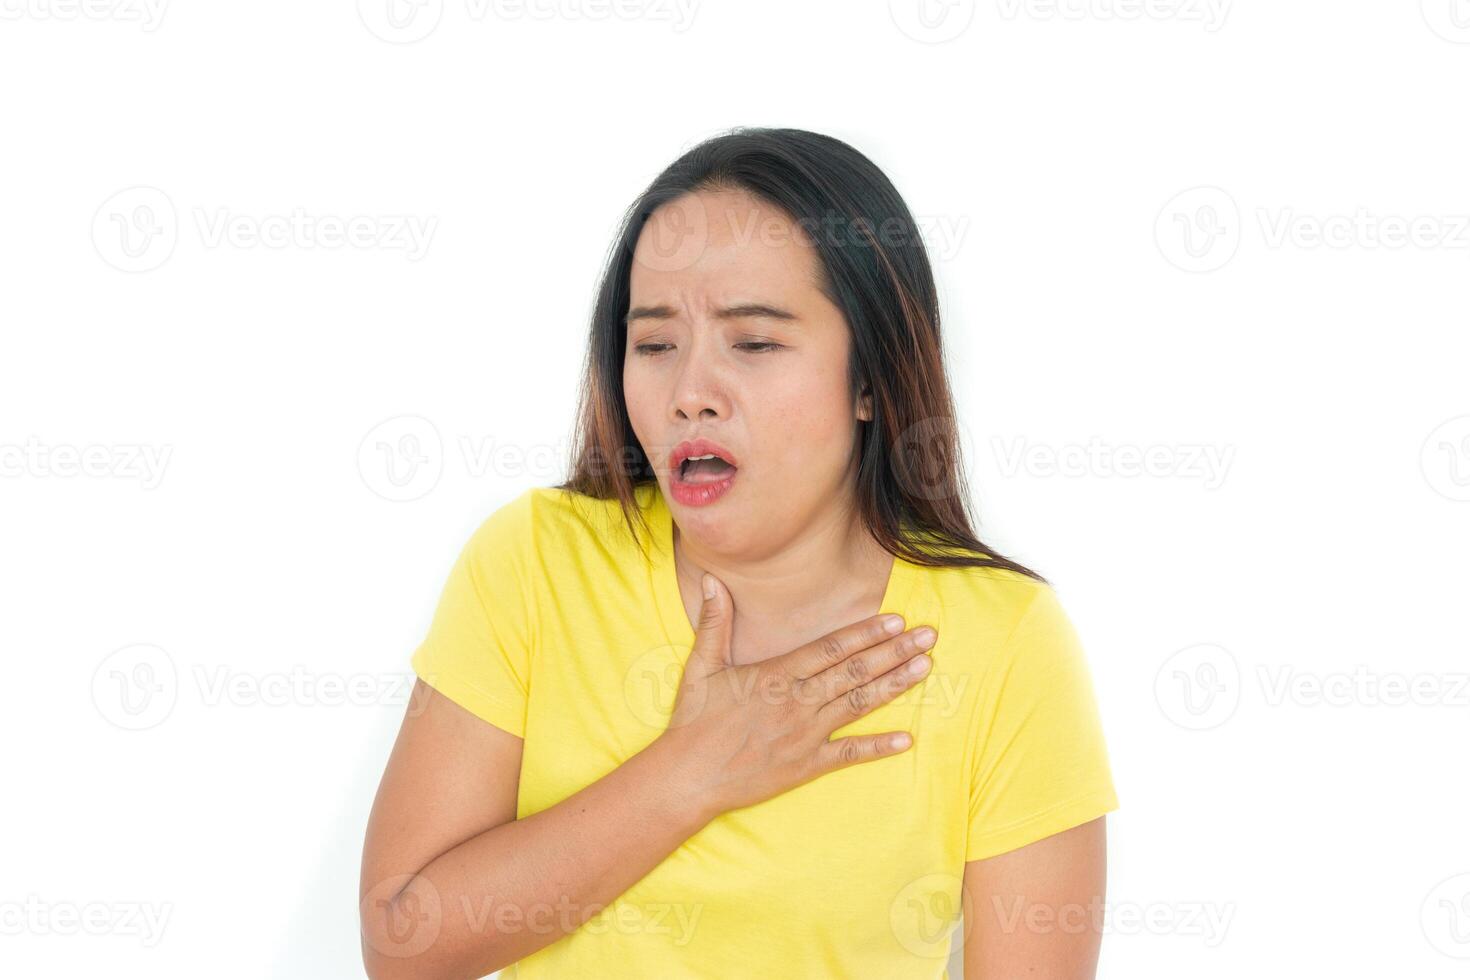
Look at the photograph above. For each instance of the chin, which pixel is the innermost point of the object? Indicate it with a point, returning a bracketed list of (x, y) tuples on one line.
[(717, 524)]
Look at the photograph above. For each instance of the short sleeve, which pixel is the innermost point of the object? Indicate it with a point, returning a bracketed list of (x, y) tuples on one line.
[(1040, 762), (478, 648)]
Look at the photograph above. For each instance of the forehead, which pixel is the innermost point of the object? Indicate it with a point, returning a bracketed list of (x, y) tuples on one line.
[(712, 245)]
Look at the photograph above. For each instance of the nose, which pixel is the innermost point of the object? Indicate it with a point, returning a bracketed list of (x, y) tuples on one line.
[(699, 391)]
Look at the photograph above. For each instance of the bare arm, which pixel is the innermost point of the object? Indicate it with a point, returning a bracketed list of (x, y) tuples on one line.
[(445, 814), (1036, 912)]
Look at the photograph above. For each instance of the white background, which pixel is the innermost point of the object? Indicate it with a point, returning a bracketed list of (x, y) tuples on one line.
[(1182, 230)]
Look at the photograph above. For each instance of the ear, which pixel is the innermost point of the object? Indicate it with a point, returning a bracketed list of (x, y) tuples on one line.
[(865, 404)]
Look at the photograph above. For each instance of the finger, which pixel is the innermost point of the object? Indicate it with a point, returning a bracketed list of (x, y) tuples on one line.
[(839, 753), (712, 636), (863, 666), (826, 651), (880, 690)]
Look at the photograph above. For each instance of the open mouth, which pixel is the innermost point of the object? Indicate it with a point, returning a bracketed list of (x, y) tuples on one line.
[(701, 471), (704, 469)]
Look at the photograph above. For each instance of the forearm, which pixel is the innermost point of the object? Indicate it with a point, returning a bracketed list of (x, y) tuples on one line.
[(502, 895)]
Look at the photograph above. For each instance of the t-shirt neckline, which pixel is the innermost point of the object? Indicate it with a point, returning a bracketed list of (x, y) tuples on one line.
[(665, 581)]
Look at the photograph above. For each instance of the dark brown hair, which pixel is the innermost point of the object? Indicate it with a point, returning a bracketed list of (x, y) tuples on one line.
[(911, 490)]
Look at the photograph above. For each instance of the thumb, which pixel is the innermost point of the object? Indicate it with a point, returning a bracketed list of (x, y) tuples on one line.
[(712, 637)]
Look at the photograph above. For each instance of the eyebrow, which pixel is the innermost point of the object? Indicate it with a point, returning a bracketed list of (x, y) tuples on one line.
[(727, 313)]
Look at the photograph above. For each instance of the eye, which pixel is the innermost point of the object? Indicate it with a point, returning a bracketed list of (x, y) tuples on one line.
[(647, 349), (759, 346)]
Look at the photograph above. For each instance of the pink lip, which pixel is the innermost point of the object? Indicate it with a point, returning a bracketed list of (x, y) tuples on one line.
[(698, 494)]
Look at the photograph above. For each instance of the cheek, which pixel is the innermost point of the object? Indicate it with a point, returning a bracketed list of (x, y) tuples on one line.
[(638, 395), (810, 425)]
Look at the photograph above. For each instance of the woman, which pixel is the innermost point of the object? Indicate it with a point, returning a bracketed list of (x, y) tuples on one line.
[(655, 705)]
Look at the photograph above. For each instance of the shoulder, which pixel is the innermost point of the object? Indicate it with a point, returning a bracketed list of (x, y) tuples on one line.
[(545, 521), (1011, 634), (999, 597), (993, 616)]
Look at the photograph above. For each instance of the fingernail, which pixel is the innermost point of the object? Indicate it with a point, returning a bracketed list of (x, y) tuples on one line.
[(900, 741), (924, 638), (709, 585), (919, 664), (893, 624)]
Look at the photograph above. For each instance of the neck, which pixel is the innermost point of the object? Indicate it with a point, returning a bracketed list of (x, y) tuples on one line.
[(832, 567)]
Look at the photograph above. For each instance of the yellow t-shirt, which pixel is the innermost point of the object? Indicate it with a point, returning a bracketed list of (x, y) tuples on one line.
[(554, 627)]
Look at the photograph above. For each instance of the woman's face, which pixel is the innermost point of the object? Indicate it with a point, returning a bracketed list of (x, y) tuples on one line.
[(730, 339)]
